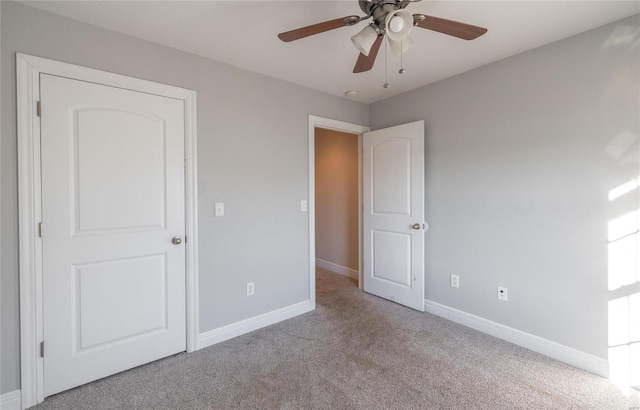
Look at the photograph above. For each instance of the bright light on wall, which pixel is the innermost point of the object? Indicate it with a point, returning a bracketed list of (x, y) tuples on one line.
[(623, 262), (623, 226), (623, 189), (624, 309), (624, 250), (619, 321), (624, 340), (634, 363), (619, 372)]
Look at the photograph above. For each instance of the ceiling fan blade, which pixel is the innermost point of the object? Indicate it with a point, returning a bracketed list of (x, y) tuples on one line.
[(450, 27), (318, 28), (365, 63)]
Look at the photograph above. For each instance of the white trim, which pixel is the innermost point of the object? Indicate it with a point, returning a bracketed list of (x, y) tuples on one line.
[(29, 69), (11, 400), (336, 125), (242, 327), (339, 269), (360, 226), (76, 72), (574, 357), (30, 246), (191, 223)]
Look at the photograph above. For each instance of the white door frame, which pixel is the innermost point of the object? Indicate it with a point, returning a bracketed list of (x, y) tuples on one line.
[(28, 70), (341, 126)]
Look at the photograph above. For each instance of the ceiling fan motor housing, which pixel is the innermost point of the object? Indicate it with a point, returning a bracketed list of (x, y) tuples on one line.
[(367, 6)]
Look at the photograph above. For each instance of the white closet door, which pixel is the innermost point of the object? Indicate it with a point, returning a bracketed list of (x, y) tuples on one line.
[(112, 202)]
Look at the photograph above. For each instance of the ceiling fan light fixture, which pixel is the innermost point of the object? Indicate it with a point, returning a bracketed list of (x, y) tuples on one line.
[(398, 24), (391, 20), (365, 39), (399, 47)]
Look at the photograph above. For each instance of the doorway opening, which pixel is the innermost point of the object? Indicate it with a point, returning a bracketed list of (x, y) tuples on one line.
[(335, 235), (337, 196)]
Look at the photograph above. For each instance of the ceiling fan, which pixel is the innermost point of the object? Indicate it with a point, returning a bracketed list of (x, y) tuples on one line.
[(388, 18)]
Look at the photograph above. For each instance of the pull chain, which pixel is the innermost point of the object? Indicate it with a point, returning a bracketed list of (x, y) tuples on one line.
[(386, 84), (401, 71)]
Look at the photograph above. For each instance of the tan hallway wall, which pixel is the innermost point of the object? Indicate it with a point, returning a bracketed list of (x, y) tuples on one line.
[(336, 156)]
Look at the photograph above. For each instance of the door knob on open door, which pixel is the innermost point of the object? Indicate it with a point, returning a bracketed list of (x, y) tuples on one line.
[(415, 226), (176, 240)]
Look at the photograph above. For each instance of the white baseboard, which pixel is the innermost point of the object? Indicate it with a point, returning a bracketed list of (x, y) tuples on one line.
[(574, 357), (11, 400), (339, 269), (223, 333)]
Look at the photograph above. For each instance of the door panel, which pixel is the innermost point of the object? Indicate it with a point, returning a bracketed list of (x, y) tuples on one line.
[(393, 191), (391, 258), (98, 321), (112, 199), (391, 168), (103, 170)]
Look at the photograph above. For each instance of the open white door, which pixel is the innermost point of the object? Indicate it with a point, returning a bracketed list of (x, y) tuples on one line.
[(113, 209), (393, 214)]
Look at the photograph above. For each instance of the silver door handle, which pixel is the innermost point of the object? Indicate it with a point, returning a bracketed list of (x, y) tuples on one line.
[(415, 226), (176, 240)]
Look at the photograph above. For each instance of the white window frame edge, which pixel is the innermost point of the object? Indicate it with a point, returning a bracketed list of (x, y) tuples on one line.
[(341, 126), (28, 73)]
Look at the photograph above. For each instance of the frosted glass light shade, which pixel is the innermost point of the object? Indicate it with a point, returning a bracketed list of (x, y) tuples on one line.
[(396, 24), (365, 39), (398, 47), (398, 29)]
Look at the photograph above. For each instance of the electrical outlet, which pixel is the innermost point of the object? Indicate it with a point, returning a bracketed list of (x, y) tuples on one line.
[(251, 288), (455, 281), (502, 293)]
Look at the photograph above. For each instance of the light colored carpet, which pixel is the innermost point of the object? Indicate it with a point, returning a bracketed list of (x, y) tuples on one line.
[(355, 351)]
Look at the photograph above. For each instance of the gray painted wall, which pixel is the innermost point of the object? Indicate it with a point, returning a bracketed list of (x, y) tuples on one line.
[(520, 157), (252, 155)]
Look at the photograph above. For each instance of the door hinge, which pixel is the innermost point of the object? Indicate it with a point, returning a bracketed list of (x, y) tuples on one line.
[(42, 349), (39, 109), (40, 229)]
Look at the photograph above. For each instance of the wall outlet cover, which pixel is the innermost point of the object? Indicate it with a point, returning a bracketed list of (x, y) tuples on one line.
[(502, 293)]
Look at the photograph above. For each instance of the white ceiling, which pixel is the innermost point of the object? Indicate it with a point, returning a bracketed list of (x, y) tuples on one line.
[(244, 34)]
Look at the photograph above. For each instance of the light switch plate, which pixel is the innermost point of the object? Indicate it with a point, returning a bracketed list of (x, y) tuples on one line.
[(303, 205), (219, 207)]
